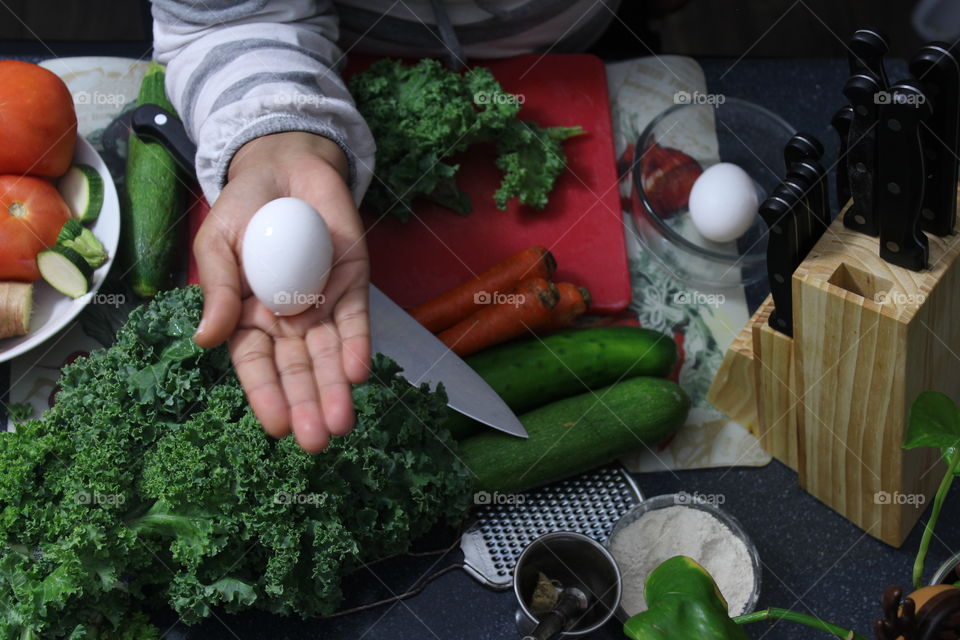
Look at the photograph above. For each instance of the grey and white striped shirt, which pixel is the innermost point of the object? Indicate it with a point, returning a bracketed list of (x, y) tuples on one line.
[(240, 69)]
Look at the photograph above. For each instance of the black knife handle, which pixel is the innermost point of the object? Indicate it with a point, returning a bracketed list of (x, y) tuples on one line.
[(901, 176), (794, 189), (156, 123), (815, 200), (867, 48), (865, 93), (937, 69), (802, 146), (782, 254), (803, 153), (841, 124)]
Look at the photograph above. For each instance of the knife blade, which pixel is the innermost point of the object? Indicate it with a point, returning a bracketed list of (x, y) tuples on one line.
[(841, 124), (867, 48), (937, 69), (424, 358), (393, 331), (864, 92), (901, 174), (783, 250)]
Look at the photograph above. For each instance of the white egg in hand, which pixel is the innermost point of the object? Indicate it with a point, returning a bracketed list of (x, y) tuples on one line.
[(287, 255), (723, 202)]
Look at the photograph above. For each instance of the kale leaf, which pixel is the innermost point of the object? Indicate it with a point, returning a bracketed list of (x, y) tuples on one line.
[(151, 481), (423, 115)]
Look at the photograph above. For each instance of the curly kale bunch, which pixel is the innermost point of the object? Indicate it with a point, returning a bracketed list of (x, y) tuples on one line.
[(424, 114), (151, 481)]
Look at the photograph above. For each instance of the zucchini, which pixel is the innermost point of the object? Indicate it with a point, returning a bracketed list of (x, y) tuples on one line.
[(65, 270), (577, 434), (74, 235), (531, 373), (81, 187), (152, 202)]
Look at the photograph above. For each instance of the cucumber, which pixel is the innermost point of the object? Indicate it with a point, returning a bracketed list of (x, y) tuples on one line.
[(531, 373), (65, 270), (82, 189), (152, 202), (577, 434)]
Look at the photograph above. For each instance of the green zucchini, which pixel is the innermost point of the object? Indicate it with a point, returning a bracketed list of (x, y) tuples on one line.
[(576, 434), (152, 202), (531, 373), (65, 270), (74, 235), (82, 189)]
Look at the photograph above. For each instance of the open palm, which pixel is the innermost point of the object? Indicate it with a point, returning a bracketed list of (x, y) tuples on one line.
[(295, 370)]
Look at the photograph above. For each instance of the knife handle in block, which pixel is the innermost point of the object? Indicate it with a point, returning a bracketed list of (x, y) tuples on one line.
[(841, 124), (796, 189), (783, 249), (901, 176), (865, 93), (867, 48), (810, 173), (937, 70)]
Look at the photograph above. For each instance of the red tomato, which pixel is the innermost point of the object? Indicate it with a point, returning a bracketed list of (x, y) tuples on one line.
[(38, 121), (31, 215)]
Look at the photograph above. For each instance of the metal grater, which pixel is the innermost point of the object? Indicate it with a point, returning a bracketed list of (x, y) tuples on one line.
[(589, 504)]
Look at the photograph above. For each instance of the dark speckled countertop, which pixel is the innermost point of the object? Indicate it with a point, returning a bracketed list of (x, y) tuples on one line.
[(814, 561)]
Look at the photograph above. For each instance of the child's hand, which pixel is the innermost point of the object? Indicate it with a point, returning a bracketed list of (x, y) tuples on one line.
[(296, 370)]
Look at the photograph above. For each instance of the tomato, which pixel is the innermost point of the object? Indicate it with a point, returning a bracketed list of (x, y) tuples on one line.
[(31, 216), (38, 121)]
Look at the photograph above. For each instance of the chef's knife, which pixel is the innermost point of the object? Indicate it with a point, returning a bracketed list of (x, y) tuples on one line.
[(937, 70), (864, 92), (783, 251), (424, 358), (393, 332), (867, 48), (841, 124), (901, 176)]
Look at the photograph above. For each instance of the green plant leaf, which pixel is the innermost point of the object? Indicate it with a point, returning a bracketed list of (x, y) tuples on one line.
[(934, 422), (684, 603)]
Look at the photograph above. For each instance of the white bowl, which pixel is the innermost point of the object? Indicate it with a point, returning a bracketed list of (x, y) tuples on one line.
[(52, 311)]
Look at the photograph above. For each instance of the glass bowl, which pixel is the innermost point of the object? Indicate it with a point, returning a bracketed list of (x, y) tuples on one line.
[(946, 574), (693, 501), (728, 130)]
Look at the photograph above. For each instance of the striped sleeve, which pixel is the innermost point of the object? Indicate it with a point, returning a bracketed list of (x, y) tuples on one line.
[(237, 70)]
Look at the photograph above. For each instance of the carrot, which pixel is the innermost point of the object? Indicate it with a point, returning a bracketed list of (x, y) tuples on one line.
[(16, 303), (455, 304), (572, 304), (526, 308)]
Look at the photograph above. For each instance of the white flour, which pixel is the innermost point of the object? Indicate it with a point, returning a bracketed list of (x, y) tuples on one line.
[(682, 531)]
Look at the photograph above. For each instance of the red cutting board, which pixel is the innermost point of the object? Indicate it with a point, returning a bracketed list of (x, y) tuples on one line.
[(582, 224)]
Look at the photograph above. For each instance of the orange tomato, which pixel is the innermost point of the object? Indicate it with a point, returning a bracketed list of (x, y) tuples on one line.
[(38, 121), (31, 216)]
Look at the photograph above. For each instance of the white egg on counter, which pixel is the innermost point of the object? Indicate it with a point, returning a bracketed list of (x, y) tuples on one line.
[(287, 255), (723, 202)]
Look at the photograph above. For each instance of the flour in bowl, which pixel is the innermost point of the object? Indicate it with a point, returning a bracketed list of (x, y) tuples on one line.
[(660, 534)]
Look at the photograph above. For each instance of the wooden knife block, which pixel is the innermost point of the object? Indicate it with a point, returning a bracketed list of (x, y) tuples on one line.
[(832, 402)]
